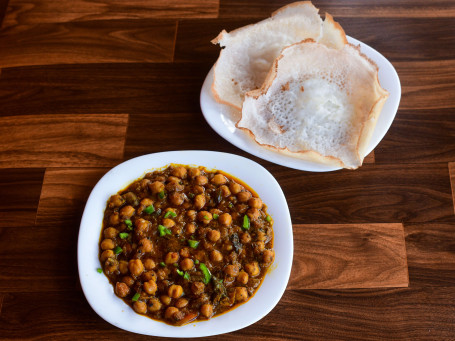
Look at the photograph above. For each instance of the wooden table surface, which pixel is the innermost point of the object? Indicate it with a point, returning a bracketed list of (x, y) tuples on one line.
[(87, 84)]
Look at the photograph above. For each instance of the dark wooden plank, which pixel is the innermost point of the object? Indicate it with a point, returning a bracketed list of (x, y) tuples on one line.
[(64, 193), (62, 140), (1, 302), (37, 259), (392, 314), (45, 11), (419, 136), (102, 88), (349, 256), (3, 7), (405, 41), (348, 8), (431, 254), (452, 180), (121, 41), (19, 195), (373, 193)]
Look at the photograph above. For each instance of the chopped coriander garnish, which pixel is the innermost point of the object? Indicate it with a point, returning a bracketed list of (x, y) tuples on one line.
[(206, 273), (268, 218), (118, 250), (193, 243), (149, 209), (191, 195), (215, 216), (161, 195), (170, 214), (206, 217), (187, 276), (163, 230), (162, 264), (99, 270), (246, 222), (180, 272), (123, 235), (176, 265), (231, 205), (196, 262), (129, 224), (135, 297)]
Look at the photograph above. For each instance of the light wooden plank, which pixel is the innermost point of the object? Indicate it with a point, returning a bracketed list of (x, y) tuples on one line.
[(347, 256), (62, 140)]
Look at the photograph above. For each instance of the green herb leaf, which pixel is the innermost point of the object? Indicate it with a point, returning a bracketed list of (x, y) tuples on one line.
[(162, 264), (99, 270), (170, 214), (187, 276), (196, 262), (191, 195), (135, 297), (123, 235), (231, 205), (215, 216), (206, 217), (268, 218), (163, 230), (118, 250), (193, 243), (149, 209), (246, 222), (161, 195), (176, 265), (180, 272), (206, 273)]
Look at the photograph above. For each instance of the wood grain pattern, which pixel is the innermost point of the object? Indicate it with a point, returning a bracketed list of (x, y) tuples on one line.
[(64, 194), (88, 42), (374, 314), (19, 195), (349, 256), (431, 254), (349, 8), (46, 11), (64, 140), (452, 180), (3, 7), (1, 303), (36, 259), (102, 88), (381, 193)]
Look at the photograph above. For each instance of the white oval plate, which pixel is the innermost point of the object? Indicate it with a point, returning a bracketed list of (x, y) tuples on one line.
[(222, 118), (99, 292)]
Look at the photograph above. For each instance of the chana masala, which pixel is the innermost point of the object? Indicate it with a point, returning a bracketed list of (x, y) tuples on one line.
[(185, 244)]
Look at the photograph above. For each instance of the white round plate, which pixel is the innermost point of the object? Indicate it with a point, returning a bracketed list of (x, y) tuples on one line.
[(99, 292), (222, 118)]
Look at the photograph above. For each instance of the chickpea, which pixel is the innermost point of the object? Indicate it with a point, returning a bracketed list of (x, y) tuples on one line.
[(123, 267), (173, 179), (110, 233), (199, 201), (185, 252), (241, 294), (150, 287), (114, 219), (171, 258), (176, 198), (181, 303), (245, 238), (213, 235), (193, 172), (170, 312), (121, 289), (225, 219), (207, 310), (165, 299), (231, 270), (253, 213), (198, 189), (190, 228), (235, 187), (154, 304), (197, 288), (140, 307), (146, 202), (149, 264), (243, 196), (255, 203), (168, 223), (136, 267), (107, 244), (201, 180), (128, 280), (145, 245), (186, 264), (179, 172), (205, 217), (261, 236), (126, 212), (225, 192), (227, 246), (259, 247), (116, 201), (191, 214), (243, 277), (107, 254), (253, 269), (218, 180), (149, 276), (156, 187), (216, 256), (267, 256), (175, 291), (174, 186)]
